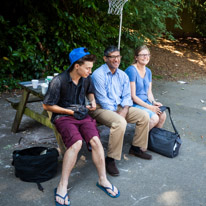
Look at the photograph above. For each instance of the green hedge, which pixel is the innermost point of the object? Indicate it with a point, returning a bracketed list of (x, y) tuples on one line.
[(37, 36)]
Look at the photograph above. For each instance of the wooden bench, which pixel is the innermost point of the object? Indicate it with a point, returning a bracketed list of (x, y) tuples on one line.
[(16, 104), (58, 136), (14, 101), (44, 118)]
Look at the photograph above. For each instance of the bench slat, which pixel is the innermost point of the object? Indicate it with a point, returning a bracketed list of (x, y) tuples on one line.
[(15, 100)]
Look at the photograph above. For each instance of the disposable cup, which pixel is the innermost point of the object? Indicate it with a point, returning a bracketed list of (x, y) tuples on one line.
[(49, 78), (35, 83), (44, 88)]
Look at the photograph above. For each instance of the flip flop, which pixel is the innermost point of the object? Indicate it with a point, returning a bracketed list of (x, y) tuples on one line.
[(106, 188), (58, 204)]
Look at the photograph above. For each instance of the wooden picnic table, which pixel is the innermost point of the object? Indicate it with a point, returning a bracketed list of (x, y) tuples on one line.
[(31, 95)]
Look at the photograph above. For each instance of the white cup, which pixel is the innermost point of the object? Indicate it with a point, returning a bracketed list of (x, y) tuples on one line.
[(48, 79), (44, 88), (55, 74), (35, 83)]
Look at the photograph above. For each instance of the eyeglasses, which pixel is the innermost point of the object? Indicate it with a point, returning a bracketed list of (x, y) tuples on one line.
[(144, 55), (114, 57)]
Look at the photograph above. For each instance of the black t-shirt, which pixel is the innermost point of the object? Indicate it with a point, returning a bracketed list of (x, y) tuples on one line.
[(63, 92)]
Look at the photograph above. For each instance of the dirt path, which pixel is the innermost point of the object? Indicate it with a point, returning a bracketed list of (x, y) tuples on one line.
[(179, 59)]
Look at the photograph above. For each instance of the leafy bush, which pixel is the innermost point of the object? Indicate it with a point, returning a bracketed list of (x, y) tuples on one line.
[(37, 36)]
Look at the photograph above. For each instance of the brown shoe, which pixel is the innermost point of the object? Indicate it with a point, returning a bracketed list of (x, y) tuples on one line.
[(140, 154), (111, 168)]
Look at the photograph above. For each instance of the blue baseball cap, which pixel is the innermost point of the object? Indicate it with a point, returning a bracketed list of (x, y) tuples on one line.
[(77, 54)]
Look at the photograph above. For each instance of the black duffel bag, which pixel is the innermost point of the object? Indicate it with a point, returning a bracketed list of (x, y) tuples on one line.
[(165, 142), (35, 164)]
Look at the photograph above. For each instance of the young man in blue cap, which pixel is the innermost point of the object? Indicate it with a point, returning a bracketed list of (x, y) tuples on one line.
[(65, 98)]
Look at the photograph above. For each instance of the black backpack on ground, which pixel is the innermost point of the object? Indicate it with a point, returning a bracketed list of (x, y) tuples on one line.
[(36, 164)]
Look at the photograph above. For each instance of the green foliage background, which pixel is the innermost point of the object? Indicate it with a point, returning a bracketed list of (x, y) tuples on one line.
[(37, 36)]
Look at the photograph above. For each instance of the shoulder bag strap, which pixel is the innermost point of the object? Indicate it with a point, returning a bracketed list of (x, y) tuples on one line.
[(168, 108)]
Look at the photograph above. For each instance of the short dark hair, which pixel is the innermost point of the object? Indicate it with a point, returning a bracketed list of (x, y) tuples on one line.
[(89, 58), (110, 49)]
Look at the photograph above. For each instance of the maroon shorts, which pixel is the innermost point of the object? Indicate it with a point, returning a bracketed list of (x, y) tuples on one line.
[(73, 130)]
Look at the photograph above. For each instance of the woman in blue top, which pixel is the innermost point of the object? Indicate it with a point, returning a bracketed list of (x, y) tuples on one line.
[(141, 87)]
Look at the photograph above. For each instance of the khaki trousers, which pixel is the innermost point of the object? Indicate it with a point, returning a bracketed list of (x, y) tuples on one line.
[(118, 124)]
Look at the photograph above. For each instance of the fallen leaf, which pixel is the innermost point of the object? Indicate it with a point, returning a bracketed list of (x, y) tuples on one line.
[(164, 92), (182, 82), (125, 157), (83, 158)]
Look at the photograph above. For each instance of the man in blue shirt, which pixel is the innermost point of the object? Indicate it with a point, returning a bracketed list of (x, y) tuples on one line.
[(114, 109)]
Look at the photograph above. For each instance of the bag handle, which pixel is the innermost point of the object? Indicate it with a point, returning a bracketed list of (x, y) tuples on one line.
[(40, 186), (163, 108)]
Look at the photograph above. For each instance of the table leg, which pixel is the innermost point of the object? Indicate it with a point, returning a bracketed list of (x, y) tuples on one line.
[(20, 111)]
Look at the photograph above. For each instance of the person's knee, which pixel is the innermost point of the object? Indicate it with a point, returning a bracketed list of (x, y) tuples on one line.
[(118, 126), (77, 146), (163, 117), (121, 123), (145, 118), (95, 142), (154, 119)]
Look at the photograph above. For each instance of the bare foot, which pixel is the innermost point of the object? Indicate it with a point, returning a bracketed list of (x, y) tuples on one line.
[(62, 196), (106, 183)]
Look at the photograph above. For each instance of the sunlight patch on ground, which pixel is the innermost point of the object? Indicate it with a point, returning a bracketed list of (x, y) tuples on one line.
[(170, 198), (178, 52), (172, 49), (199, 62), (204, 108), (181, 58)]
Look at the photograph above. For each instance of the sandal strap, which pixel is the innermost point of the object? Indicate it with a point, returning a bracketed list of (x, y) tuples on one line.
[(109, 188), (57, 195)]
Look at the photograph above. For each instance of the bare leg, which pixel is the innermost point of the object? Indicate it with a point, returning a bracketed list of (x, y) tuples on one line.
[(99, 161), (162, 118), (153, 121), (70, 158)]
